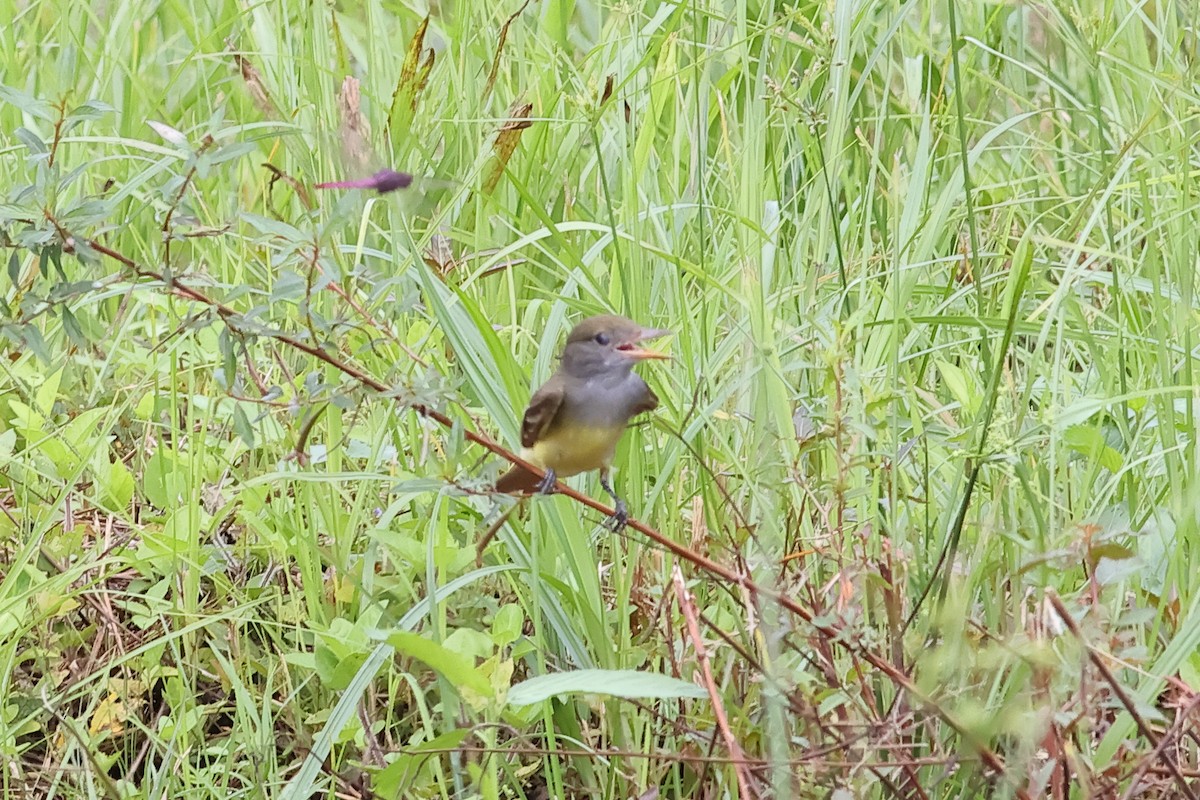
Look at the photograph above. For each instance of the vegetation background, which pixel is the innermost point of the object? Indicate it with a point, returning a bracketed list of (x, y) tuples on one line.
[(925, 467)]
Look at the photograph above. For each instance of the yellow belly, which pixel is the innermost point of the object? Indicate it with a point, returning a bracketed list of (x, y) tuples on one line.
[(569, 450)]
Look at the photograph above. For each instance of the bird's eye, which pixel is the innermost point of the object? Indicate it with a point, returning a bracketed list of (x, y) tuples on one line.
[(602, 338)]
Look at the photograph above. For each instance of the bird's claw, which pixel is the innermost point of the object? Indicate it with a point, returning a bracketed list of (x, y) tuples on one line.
[(546, 486), (619, 517)]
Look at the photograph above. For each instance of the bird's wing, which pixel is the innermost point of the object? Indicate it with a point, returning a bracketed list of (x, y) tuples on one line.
[(648, 403), (543, 406)]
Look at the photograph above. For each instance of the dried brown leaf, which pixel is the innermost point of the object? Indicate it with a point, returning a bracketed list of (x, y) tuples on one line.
[(423, 76), (506, 142), (495, 70), (254, 82), (439, 255), (109, 717), (416, 44), (356, 131), (414, 73), (608, 89)]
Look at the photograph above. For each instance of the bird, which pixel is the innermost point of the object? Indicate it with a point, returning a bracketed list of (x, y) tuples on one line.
[(576, 418), (383, 181)]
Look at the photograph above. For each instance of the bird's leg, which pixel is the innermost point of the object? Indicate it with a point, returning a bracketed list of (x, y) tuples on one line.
[(621, 511), (547, 484)]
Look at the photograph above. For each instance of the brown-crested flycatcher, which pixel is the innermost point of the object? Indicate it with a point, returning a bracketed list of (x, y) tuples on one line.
[(574, 421)]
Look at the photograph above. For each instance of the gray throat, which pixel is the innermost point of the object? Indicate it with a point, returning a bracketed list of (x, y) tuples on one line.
[(603, 401)]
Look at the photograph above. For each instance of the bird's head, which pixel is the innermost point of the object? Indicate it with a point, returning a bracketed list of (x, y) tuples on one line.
[(607, 343)]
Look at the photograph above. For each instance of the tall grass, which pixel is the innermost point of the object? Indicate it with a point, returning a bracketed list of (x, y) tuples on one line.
[(931, 273)]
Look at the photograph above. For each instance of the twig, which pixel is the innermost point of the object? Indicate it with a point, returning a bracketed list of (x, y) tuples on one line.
[(306, 428), (492, 530), (374, 753), (179, 195), (676, 757), (108, 786), (687, 604), (1172, 735), (1098, 661)]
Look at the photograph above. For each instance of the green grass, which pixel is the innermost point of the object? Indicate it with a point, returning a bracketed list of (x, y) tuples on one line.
[(230, 569)]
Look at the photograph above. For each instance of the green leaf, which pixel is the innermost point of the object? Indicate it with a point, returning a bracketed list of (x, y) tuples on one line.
[(397, 778), (27, 103), (11, 211), (1110, 570), (1112, 550), (116, 485), (275, 228), (90, 109), (164, 481), (72, 328), (169, 134), (961, 386), (455, 668), (470, 643), (47, 393), (32, 337), (1089, 442), (288, 286), (232, 151), (88, 212), (31, 140), (336, 671), (1189, 670), (14, 268), (242, 425), (507, 624), (615, 682)]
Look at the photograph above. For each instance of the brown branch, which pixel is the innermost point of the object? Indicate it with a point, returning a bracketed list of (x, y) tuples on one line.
[(61, 106), (828, 631), (167, 232), (687, 604), (306, 428)]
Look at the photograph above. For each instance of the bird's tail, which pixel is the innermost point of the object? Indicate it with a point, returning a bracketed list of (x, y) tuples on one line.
[(517, 480)]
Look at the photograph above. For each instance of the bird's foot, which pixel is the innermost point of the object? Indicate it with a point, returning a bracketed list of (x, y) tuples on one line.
[(620, 517), (546, 486)]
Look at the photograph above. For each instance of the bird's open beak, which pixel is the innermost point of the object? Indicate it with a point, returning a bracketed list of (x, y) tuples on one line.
[(633, 351)]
